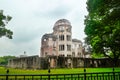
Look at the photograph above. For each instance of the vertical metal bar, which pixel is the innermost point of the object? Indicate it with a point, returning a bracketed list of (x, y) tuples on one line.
[(48, 76), (78, 76), (41, 77), (7, 71), (24, 77), (91, 76), (111, 77), (97, 76), (113, 74), (100, 77), (119, 76), (32, 77), (84, 74), (103, 75), (108, 77), (56, 77), (71, 77), (94, 77), (64, 77), (15, 77), (6, 76)]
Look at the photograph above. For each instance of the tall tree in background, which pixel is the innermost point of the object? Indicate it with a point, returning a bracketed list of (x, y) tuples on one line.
[(3, 21), (103, 27)]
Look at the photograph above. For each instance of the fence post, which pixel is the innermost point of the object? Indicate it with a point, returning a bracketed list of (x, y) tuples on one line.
[(84, 74), (7, 71), (49, 74), (48, 68), (113, 74)]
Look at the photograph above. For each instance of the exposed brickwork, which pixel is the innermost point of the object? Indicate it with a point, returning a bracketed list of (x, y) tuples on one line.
[(60, 41)]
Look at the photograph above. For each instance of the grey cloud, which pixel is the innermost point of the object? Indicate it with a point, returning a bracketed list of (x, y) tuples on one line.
[(58, 11), (25, 35)]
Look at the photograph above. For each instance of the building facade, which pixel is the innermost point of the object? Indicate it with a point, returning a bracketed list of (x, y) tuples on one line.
[(60, 41)]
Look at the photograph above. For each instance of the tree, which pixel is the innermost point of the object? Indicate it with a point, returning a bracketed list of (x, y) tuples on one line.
[(3, 22), (102, 27), (4, 59)]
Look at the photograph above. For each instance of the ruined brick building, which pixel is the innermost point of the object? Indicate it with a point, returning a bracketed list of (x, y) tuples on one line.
[(58, 49), (60, 41)]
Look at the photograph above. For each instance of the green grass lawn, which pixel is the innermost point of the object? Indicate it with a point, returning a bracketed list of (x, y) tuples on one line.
[(56, 71)]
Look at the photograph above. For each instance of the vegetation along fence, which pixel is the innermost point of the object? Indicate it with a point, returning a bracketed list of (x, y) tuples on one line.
[(77, 76)]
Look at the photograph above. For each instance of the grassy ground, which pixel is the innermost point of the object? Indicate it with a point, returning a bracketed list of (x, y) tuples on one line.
[(56, 71)]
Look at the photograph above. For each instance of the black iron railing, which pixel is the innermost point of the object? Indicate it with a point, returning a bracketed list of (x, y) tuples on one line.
[(76, 76)]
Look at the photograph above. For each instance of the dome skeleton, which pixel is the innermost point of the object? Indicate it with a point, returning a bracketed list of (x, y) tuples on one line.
[(60, 41)]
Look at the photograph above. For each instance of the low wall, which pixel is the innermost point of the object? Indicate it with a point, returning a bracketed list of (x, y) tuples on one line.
[(35, 62)]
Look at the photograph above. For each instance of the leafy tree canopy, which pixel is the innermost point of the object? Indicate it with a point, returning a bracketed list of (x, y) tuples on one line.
[(4, 59), (103, 27), (3, 21)]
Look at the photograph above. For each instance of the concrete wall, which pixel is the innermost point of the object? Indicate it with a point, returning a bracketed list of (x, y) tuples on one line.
[(35, 62)]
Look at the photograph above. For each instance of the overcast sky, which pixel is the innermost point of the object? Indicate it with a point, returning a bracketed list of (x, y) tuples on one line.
[(31, 19)]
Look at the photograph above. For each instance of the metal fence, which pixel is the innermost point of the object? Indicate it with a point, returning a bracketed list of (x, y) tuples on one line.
[(77, 76)]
